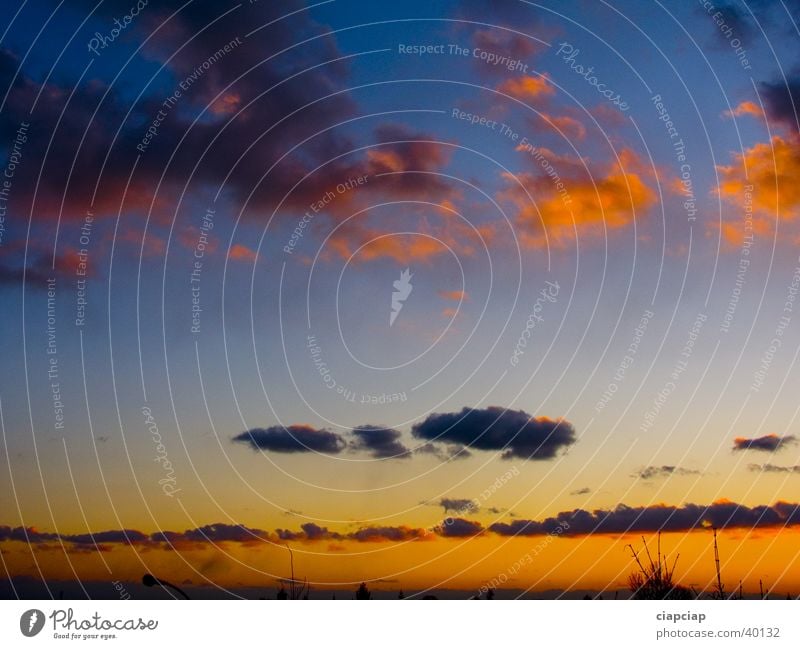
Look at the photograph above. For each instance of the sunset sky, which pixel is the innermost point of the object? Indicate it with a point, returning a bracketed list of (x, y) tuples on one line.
[(205, 211)]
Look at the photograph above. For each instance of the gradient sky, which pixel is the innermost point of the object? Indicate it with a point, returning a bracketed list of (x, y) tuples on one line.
[(668, 261)]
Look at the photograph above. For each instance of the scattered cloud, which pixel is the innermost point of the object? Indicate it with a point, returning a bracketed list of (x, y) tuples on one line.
[(240, 252), (745, 108), (773, 468), (526, 88), (459, 505), (770, 443), (515, 432), (292, 439), (664, 471), (444, 452), (379, 441), (455, 296)]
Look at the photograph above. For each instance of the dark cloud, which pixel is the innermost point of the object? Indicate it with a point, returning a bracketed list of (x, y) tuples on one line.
[(773, 468), (515, 432), (664, 471), (733, 16), (36, 274), (653, 518), (41, 266), (127, 537), (771, 442), (257, 107), (782, 99), (222, 532), (379, 441), (25, 535), (580, 492), (83, 120), (309, 532), (458, 527), (466, 505), (292, 439), (378, 534)]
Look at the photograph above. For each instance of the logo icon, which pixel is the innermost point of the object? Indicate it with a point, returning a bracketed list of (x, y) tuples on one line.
[(31, 622), (402, 290)]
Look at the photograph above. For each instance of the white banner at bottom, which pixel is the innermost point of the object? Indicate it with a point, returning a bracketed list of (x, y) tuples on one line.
[(334, 624)]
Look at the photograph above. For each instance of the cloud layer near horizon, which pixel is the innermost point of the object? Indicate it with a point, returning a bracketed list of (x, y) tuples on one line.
[(622, 519)]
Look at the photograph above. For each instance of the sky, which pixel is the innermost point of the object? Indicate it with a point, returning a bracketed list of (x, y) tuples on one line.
[(437, 295)]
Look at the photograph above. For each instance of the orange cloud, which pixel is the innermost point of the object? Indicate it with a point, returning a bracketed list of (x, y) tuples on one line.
[(240, 252), (745, 108), (527, 87), (428, 241), (570, 126), (456, 296), (772, 169), (226, 104), (552, 208)]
